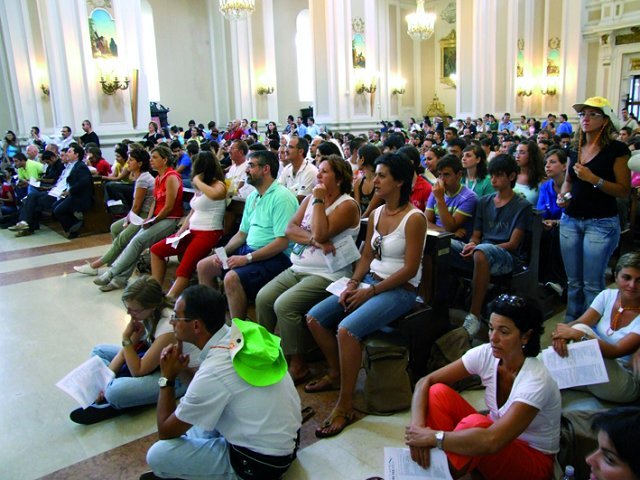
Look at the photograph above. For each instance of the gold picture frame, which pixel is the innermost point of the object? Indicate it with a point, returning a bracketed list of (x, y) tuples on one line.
[(448, 58)]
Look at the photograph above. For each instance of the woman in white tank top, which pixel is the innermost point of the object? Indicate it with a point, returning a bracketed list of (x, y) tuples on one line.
[(381, 289)]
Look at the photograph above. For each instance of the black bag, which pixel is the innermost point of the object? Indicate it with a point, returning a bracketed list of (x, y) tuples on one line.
[(250, 465), (387, 388)]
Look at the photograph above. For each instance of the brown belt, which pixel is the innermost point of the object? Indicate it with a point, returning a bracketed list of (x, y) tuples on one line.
[(406, 286)]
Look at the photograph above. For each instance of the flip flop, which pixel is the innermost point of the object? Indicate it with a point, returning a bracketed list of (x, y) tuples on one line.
[(347, 419), (307, 413), (303, 378), (322, 384)]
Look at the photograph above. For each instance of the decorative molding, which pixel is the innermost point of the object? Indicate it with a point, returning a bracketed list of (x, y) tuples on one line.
[(626, 38), (357, 24), (449, 13), (554, 43), (634, 64)]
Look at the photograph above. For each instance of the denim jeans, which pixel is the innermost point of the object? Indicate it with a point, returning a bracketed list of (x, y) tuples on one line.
[(125, 392), (197, 455), (587, 245), (372, 315)]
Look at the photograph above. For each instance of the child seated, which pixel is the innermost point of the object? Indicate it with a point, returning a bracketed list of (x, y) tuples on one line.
[(499, 228)]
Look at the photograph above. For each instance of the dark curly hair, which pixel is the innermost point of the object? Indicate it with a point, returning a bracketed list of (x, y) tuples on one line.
[(526, 314)]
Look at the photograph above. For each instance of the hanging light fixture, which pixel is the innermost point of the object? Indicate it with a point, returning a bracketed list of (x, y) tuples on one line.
[(237, 9), (420, 23)]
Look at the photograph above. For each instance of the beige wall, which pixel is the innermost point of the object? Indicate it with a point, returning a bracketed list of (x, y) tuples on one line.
[(184, 60)]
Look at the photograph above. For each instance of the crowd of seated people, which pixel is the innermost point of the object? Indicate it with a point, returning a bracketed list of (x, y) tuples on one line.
[(302, 191)]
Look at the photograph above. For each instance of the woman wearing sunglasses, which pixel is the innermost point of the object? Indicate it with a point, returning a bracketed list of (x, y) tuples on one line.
[(613, 319), (136, 362), (590, 227), (521, 433), (381, 289)]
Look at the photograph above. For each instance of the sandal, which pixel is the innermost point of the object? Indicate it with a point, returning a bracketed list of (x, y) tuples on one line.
[(322, 384), (307, 413), (302, 378), (329, 427)]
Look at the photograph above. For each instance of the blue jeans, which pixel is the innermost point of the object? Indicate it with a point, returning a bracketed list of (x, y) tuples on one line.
[(197, 455), (125, 392), (586, 245), (375, 313)]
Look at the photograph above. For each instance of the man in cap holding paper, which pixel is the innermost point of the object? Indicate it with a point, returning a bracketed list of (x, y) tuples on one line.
[(240, 416)]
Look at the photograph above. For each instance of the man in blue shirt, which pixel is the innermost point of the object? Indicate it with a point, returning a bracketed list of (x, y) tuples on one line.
[(506, 123), (564, 126)]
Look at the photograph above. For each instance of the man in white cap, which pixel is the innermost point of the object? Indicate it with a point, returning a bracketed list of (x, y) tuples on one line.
[(240, 417)]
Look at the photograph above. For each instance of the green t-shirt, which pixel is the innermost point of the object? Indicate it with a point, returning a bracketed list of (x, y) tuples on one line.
[(266, 217), (480, 187), (32, 169)]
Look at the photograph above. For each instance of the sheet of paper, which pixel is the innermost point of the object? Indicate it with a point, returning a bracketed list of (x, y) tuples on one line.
[(86, 381), (149, 220), (222, 255), (399, 466), (135, 219), (113, 203), (339, 285), (175, 239), (583, 366), (346, 254), (34, 183)]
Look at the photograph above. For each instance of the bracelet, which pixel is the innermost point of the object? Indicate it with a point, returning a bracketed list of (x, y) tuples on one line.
[(353, 280), (316, 201), (373, 289), (599, 184)]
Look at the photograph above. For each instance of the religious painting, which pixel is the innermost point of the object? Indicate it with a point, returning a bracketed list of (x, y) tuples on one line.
[(358, 47), (102, 32), (553, 57), (448, 58)]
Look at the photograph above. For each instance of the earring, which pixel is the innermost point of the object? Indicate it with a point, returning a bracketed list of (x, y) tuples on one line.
[(523, 346)]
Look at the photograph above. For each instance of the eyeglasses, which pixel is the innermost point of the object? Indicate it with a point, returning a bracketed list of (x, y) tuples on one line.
[(377, 247), (174, 319), (513, 300), (252, 165), (590, 115)]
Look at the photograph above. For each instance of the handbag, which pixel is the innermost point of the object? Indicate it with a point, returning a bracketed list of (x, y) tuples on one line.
[(387, 387)]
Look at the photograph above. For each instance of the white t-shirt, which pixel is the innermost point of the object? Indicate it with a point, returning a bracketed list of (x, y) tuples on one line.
[(302, 183), (263, 419), (393, 247), (532, 386), (146, 181), (603, 304)]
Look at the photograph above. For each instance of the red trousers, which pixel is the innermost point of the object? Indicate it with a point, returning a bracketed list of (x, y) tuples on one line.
[(193, 248), (448, 411)]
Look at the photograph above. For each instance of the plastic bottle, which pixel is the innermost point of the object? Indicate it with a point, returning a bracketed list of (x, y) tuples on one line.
[(569, 473)]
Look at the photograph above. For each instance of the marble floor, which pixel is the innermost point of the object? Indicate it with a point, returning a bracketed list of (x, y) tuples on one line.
[(51, 317)]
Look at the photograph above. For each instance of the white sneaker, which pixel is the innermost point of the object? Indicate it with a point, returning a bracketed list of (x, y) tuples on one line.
[(103, 279), (471, 325), (86, 269), (556, 287)]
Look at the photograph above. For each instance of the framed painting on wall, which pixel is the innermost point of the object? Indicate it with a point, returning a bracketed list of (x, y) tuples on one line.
[(448, 59)]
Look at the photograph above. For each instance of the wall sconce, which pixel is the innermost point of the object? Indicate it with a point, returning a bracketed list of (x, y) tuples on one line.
[(265, 89), (45, 89), (110, 87), (366, 82), (550, 86), (524, 87), (399, 87)]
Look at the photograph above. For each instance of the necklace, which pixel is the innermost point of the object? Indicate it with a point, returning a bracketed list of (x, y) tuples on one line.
[(621, 309), (388, 211)]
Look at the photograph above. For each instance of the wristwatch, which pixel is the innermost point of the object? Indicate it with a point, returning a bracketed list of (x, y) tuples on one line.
[(165, 382), (599, 184), (126, 343), (439, 439), (249, 257)]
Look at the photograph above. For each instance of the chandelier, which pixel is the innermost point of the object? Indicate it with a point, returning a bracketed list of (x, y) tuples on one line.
[(237, 9), (420, 22)]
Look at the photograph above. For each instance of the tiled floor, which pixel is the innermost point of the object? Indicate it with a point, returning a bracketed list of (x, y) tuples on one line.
[(51, 317)]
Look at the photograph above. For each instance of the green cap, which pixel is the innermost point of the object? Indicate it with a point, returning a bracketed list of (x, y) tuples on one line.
[(256, 354)]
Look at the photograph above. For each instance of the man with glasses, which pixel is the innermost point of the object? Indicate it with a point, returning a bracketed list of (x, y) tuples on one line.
[(299, 176), (259, 250), (240, 416)]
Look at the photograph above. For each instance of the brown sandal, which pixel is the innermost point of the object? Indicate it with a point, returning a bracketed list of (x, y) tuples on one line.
[(343, 419), (322, 384)]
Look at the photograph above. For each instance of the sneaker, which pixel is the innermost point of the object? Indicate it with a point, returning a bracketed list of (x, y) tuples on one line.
[(103, 279), (556, 287), (91, 414), (86, 269), (75, 228), (471, 325), (24, 233), (21, 225), (112, 285)]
